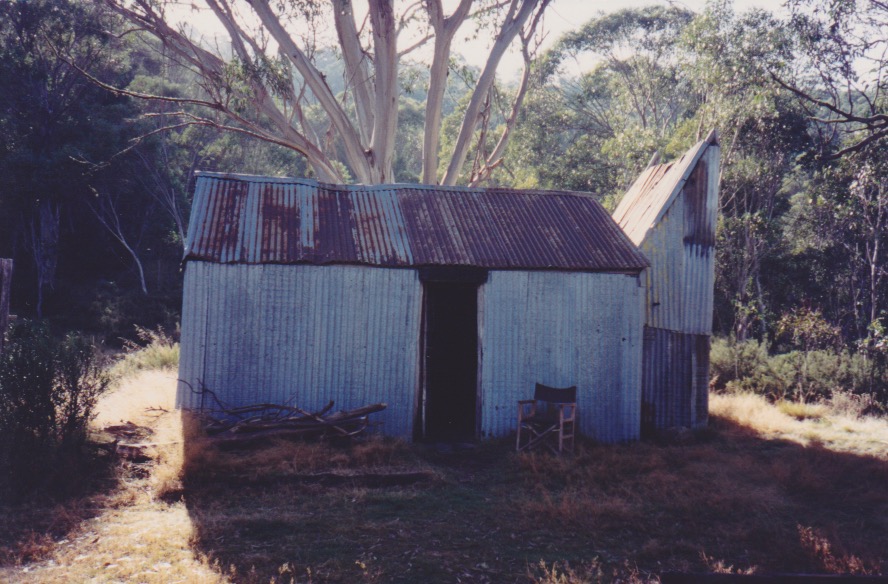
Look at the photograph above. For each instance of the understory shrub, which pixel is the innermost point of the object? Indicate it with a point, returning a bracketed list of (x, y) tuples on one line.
[(806, 376), (742, 366), (156, 349), (48, 393)]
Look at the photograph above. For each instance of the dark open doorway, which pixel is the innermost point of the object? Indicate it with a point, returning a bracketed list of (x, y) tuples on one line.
[(451, 361)]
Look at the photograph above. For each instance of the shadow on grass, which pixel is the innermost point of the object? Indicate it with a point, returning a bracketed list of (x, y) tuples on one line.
[(724, 500), (30, 527)]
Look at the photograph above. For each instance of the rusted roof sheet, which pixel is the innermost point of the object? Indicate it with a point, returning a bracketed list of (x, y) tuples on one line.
[(255, 220), (649, 197)]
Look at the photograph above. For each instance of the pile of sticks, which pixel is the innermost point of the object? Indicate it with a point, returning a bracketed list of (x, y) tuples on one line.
[(244, 426), (249, 425)]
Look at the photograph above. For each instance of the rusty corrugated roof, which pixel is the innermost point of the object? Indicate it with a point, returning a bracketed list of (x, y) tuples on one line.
[(654, 190), (247, 219)]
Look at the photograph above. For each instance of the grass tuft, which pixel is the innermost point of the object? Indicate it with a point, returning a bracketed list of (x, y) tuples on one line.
[(156, 350), (802, 411)]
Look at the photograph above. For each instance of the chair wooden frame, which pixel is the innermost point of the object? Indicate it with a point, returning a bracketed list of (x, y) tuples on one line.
[(551, 412)]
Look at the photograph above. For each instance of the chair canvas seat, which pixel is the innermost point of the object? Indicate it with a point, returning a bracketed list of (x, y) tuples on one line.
[(548, 419)]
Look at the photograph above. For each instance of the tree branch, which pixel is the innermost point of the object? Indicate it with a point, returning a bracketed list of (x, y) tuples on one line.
[(357, 69), (518, 14), (350, 137)]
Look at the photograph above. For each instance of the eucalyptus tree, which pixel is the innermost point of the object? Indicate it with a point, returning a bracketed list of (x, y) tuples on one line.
[(763, 132), (269, 81), (843, 81), (596, 130), (55, 125)]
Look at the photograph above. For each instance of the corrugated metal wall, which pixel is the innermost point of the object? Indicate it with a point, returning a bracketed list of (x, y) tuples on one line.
[(271, 333), (682, 255), (675, 379), (681, 249), (563, 329)]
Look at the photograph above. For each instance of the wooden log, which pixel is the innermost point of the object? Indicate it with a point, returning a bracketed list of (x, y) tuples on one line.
[(5, 286), (362, 411), (342, 418), (265, 408), (298, 423), (227, 441)]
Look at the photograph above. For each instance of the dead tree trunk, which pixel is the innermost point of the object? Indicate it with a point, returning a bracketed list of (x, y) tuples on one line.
[(5, 282)]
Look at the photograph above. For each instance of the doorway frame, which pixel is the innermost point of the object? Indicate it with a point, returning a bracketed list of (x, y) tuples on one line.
[(469, 275)]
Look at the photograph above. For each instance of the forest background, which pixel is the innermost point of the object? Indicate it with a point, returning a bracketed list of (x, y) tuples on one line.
[(96, 178)]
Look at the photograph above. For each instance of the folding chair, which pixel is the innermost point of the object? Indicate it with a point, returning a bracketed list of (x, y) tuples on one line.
[(548, 419)]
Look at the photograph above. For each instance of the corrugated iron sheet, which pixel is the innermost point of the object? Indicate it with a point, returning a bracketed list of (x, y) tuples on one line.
[(307, 335), (302, 335), (563, 329), (643, 205), (675, 382), (681, 277), (680, 245), (670, 212), (256, 220)]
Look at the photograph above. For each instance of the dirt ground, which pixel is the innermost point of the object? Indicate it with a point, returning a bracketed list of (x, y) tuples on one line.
[(760, 491)]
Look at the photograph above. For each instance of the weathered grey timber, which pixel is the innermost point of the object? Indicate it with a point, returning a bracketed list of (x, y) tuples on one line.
[(670, 214), (5, 285)]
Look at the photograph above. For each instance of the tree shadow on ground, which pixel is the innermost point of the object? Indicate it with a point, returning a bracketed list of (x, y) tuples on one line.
[(30, 527), (722, 500)]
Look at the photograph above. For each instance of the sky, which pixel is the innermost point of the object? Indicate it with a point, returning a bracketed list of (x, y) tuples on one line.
[(561, 16)]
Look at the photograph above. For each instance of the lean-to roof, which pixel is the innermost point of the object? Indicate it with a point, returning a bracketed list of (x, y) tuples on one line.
[(653, 191)]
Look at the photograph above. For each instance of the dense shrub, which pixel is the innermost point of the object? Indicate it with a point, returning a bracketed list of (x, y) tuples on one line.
[(111, 312), (795, 375), (48, 392), (743, 366)]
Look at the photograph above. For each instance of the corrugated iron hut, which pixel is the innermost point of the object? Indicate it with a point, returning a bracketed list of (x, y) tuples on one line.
[(670, 214), (448, 304)]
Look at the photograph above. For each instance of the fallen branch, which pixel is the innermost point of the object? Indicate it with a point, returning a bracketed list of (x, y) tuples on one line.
[(245, 426)]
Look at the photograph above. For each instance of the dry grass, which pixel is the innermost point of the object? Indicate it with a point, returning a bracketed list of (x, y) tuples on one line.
[(835, 429), (125, 531), (766, 489), (139, 399)]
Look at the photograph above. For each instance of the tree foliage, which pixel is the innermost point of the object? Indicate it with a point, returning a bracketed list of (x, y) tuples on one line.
[(273, 81), (843, 80)]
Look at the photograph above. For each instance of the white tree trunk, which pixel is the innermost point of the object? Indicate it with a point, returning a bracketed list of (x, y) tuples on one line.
[(362, 122)]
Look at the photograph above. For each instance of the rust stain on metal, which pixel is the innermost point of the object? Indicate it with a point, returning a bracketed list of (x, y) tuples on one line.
[(266, 220)]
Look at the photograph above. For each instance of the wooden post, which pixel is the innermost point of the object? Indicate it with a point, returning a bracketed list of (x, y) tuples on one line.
[(5, 282)]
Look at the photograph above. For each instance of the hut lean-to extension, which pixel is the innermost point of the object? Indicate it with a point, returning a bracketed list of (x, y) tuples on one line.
[(670, 214), (446, 303)]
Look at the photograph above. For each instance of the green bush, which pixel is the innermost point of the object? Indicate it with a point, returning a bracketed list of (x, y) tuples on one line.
[(48, 392), (158, 350), (807, 376), (743, 366)]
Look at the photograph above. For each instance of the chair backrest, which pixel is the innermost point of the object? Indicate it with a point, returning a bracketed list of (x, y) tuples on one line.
[(556, 395)]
